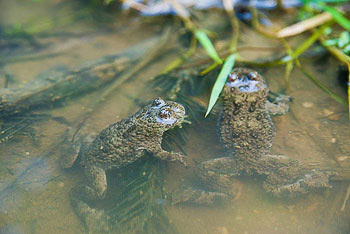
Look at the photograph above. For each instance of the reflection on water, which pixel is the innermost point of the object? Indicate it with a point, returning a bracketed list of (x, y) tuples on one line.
[(35, 192)]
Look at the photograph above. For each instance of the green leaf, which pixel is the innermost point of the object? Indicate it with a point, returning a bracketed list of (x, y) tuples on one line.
[(337, 15), (344, 39), (220, 82), (331, 42), (346, 50), (207, 45)]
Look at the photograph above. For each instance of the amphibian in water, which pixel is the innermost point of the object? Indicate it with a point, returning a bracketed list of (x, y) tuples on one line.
[(121, 144), (246, 132)]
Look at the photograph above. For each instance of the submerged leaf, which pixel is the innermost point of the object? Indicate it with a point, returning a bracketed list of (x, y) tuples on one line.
[(220, 81), (208, 46)]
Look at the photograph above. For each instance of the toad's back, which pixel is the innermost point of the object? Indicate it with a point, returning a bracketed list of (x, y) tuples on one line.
[(120, 144), (245, 126)]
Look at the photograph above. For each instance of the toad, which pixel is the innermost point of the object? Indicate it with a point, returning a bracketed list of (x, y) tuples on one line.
[(121, 144), (246, 132)]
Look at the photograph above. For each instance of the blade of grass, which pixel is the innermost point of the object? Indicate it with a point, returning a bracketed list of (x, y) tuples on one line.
[(349, 88), (320, 85), (209, 68), (290, 64), (309, 42), (220, 82), (337, 15), (204, 40)]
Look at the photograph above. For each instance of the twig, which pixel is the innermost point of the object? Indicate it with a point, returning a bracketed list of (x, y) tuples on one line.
[(234, 24), (304, 25), (347, 195), (289, 65)]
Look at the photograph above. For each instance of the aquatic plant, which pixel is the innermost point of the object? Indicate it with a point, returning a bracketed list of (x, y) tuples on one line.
[(312, 7), (140, 207)]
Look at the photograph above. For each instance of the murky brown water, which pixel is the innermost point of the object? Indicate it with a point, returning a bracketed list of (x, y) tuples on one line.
[(34, 192)]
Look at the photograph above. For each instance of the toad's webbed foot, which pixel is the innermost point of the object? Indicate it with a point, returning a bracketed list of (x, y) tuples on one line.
[(200, 197), (279, 106), (94, 220), (313, 180)]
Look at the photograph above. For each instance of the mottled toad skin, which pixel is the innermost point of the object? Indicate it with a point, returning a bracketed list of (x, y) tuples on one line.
[(123, 143), (246, 131)]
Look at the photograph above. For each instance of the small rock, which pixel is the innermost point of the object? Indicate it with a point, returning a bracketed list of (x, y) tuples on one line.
[(307, 104), (333, 140), (343, 158), (334, 117), (327, 112)]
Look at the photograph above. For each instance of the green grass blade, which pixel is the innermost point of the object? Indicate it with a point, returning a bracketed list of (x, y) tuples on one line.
[(337, 15), (348, 65), (220, 82), (325, 1), (207, 45), (320, 85)]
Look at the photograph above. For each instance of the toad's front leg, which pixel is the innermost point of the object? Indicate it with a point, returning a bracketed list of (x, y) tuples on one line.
[(168, 156), (279, 106)]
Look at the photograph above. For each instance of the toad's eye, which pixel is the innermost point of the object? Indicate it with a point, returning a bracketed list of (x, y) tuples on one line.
[(252, 76), (158, 102), (164, 114), (232, 77)]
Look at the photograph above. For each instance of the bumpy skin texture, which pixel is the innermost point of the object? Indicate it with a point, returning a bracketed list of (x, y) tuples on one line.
[(123, 143), (245, 126), (246, 131)]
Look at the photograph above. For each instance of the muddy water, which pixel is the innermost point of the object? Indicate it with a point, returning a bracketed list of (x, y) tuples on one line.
[(34, 192)]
